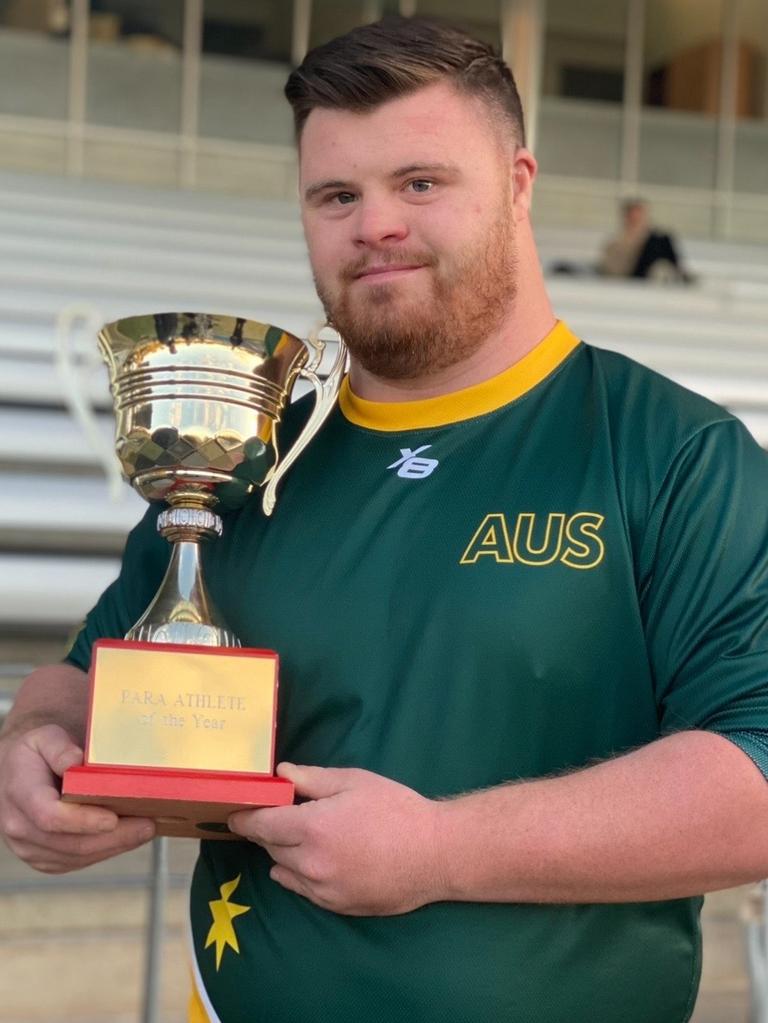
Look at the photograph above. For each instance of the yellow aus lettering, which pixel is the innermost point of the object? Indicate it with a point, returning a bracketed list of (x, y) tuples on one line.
[(585, 548), (523, 543), (491, 539)]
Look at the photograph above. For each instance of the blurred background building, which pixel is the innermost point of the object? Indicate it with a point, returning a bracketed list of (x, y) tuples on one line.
[(665, 96), (146, 163)]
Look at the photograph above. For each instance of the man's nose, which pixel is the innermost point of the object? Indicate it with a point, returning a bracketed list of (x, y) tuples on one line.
[(379, 221)]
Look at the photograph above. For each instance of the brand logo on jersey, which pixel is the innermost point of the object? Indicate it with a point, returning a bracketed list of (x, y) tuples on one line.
[(531, 539), (411, 467)]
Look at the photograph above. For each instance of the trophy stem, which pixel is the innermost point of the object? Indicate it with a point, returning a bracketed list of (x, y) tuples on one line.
[(182, 611)]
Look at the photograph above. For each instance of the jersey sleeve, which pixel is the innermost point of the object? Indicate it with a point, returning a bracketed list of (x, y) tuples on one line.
[(144, 562), (703, 589)]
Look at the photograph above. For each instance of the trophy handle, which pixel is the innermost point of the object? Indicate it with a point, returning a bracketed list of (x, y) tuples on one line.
[(326, 393), (88, 320)]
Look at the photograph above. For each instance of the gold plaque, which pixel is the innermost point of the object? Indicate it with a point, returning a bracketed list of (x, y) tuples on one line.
[(181, 709)]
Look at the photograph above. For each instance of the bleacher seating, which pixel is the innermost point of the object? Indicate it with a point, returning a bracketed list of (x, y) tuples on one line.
[(110, 251)]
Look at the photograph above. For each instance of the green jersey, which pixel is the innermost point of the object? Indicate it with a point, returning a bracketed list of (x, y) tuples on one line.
[(559, 564)]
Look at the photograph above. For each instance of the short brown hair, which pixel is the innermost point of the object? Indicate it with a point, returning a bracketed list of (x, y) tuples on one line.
[(395, 56)]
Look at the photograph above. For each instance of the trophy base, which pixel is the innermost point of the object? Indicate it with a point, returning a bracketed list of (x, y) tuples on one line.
[(183, 804)]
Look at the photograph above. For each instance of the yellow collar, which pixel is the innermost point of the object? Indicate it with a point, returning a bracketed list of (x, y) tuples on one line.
[(468, 403)]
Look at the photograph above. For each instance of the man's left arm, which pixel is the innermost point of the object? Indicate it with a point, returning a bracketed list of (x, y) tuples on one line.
[(684, 815)]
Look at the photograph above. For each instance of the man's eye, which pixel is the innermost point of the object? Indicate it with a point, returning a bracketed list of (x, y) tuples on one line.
[(343, 198), (421, 186)]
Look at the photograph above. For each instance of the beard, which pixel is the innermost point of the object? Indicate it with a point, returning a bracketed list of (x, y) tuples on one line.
[(395, 336)]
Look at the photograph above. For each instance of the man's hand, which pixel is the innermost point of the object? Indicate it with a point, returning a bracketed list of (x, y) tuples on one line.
[(37, 826), (363, 846)]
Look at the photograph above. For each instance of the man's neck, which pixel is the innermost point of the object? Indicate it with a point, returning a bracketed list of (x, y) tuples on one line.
[(496, 354)]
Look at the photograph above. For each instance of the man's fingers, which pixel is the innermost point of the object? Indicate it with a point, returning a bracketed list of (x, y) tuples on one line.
[(317, 782), (59, 853), (55, 747), (45, 832), (274, 825), (36, 796), (51, 815), (295, 859), (128, 835), (297, 883), (288, 825), (293, 882), (33, 794)]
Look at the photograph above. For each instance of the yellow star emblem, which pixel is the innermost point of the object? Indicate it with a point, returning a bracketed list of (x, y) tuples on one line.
[(223, 911)]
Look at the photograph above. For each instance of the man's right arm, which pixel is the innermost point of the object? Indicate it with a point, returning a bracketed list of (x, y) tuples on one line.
[(43, 736)]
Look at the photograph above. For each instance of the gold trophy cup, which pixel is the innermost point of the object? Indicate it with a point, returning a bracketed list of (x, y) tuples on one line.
[(181, 722)]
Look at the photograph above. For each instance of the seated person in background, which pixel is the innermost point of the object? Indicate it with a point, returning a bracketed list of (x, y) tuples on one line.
[(639, 250)]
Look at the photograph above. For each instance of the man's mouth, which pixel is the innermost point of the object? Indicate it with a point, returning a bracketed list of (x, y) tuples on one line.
[(384, 272)]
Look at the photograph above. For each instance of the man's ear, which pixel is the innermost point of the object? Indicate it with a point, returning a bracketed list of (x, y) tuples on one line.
[(524, 170)]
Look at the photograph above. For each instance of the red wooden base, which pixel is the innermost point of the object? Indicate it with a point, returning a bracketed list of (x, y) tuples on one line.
[(184, 804)]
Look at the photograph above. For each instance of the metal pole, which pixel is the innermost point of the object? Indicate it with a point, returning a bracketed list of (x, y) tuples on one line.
[(371, 11), (726, 126), (6, 702), (157, 893), (190, 91), (302, 22), (78, 86), (633, 95), (522, 42)]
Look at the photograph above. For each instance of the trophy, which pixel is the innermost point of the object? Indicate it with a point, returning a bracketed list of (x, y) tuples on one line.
[(181, 719)]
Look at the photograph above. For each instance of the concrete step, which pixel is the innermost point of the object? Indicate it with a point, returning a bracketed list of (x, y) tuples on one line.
[(73, 948), (81, 958)]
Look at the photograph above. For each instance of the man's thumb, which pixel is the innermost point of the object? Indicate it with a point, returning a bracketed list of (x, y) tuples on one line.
[(56, 748), (315, 782)]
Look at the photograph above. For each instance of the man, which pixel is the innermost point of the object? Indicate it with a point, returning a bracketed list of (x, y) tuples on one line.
[(639, 250), (518, 586)]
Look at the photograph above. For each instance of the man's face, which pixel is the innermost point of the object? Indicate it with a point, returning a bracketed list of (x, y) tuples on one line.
[(407, 212), (636, 217)]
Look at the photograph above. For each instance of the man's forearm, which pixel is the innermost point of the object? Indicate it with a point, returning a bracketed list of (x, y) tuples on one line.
[(682, 816), (54, 694)]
